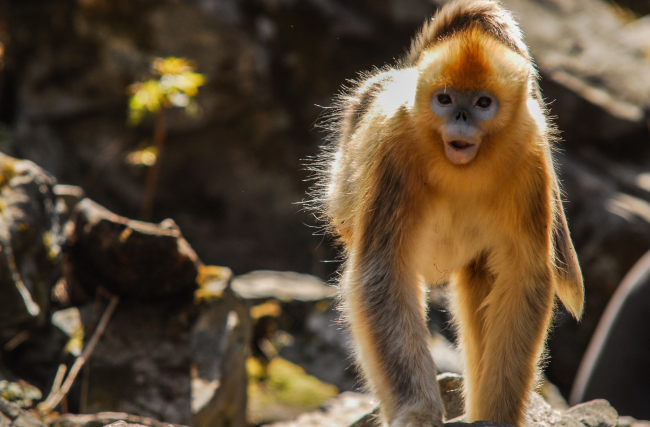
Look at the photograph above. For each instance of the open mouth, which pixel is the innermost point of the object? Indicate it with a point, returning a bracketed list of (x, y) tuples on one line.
[(461, 152), (460, 145)]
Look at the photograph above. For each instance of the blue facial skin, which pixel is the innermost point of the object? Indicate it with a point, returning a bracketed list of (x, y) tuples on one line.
[(464, 113)]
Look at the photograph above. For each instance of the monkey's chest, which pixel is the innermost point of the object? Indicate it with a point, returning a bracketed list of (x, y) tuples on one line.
[(448, 241)]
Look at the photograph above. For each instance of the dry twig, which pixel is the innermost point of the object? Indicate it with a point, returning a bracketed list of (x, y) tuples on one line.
[(58, 379), (55, 398)]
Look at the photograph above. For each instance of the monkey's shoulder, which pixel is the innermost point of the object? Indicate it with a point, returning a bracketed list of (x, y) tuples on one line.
[(383, 92), (373, 109)]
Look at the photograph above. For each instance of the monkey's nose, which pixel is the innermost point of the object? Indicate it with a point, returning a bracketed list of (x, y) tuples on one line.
[(461, 115)]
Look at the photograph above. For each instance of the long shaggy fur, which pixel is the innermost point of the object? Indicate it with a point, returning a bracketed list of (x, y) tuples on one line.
[(406, 217)]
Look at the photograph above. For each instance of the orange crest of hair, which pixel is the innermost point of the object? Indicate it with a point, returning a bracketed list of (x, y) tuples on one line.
[(467, 62)]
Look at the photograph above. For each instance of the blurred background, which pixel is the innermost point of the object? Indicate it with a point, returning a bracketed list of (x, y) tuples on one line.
[(94, 93)]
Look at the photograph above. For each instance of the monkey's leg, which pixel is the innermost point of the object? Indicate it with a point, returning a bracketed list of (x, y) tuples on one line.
[(517, 314), (471, 285), (387, 319)]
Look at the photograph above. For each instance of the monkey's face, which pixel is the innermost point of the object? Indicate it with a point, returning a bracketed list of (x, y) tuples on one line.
[(463, 115), (469, 89)]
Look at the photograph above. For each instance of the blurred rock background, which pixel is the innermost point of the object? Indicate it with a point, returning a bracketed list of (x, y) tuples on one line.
[(233, 177)]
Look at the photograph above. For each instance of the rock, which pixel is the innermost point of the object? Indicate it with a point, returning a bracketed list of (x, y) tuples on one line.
[(129, 258), (220, 343), (307, 320), (637, 32), (611, 230), (21, 394), (142, 363), (595, 413), (114, 419), (626, 421), (12, 416), (581, 45), (175, 361), (320, 343), (451, 391), (123, 423), (280, 390), (339, 411), (551, 394), (538, 412), (615, 366), (30, 236), (283, 285)]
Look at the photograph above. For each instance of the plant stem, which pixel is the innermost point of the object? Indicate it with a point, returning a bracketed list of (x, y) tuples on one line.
[(159, 134)]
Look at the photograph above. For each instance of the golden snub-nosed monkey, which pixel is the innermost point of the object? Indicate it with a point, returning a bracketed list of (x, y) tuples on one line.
[(440, 168)]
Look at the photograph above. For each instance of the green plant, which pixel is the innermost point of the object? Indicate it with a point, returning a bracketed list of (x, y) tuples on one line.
[(175, 85)]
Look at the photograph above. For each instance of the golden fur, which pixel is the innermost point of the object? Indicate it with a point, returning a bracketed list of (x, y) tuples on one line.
[(407, 216)]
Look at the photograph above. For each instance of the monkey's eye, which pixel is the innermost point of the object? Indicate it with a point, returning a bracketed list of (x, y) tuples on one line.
[(444, 99), (483, 102)]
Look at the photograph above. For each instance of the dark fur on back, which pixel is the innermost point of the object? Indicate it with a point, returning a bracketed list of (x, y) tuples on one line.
[(457, 16)]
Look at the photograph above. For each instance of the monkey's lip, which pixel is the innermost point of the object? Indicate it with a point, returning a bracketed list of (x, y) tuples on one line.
[(460, 145), (460, 151)]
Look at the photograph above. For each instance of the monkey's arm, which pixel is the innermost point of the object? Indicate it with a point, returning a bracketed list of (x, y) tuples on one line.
[(385, 301)]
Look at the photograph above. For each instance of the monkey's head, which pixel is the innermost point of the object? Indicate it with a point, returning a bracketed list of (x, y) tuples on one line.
[(469, 88)]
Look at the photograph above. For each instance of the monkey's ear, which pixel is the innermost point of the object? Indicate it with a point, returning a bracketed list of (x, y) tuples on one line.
[(568, 287)]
